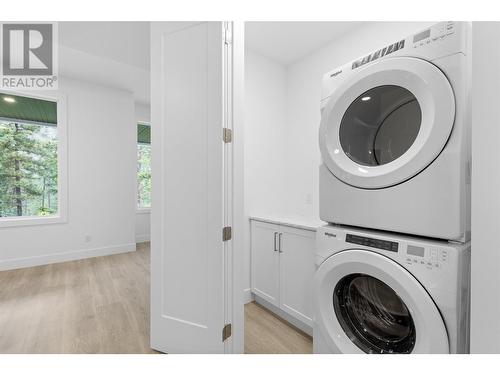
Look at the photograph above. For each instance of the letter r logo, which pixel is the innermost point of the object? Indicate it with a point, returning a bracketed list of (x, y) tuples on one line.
[(27, 49)]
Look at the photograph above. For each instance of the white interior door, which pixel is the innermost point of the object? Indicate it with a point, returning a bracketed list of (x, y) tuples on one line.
[(189, 297)]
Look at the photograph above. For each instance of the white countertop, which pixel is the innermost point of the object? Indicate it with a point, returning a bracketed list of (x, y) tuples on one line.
[(290, 220)]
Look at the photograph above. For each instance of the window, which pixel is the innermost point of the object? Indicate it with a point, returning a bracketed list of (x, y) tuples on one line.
[(30, 158), (143, 166)]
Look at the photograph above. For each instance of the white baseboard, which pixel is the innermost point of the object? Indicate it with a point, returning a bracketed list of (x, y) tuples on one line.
[(142, 238), (290, 319), (40, 260), (247, 296)]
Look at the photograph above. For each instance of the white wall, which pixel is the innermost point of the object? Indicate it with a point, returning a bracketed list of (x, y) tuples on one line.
[(265, 125), (142, 217), (104, 71), (303, 117), (142, 112), (485, 275), (101, 185)]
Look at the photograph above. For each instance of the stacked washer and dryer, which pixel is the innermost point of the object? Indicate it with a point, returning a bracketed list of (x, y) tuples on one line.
[(393, 267)]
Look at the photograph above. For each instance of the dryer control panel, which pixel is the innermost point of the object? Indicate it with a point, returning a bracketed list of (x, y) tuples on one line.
[(433, 34)]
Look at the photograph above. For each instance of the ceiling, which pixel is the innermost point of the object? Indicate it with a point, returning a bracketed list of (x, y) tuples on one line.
[(126, 42), (288, 42), (117, 54)]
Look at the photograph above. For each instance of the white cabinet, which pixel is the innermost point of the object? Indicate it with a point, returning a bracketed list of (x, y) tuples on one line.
[(297, 272), (283, 267), (265, 261)]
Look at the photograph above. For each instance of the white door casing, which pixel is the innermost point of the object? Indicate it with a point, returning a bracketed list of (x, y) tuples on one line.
[(435, 96), (189, 270), (431, 334)]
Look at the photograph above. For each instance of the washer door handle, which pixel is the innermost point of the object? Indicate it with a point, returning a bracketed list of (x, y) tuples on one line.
[(275, 247), (279, 242)]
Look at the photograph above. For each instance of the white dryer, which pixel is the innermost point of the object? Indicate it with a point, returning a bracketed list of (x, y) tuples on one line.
[(382, 293), (395, 137)]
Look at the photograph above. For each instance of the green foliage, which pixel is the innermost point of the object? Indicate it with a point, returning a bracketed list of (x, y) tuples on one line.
[(28, 170), (144, 175)]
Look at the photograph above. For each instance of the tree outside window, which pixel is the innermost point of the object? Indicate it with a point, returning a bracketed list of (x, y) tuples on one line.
[(28, 157), (143, 165)]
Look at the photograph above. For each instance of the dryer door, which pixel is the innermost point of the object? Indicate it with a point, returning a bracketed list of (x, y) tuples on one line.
[(387, 123), (367, 303)]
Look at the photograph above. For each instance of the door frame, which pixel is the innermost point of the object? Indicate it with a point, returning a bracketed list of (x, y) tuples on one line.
[(235, 297)]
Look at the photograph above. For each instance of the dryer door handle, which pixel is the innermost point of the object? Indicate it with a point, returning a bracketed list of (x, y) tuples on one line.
[(279, 242), (275, 238)]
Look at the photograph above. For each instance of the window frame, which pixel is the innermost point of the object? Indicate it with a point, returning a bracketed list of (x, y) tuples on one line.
[(62, 164), (140, 210)]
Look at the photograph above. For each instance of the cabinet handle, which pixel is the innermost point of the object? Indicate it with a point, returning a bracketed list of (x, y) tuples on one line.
[(275, 247), (279, 242)]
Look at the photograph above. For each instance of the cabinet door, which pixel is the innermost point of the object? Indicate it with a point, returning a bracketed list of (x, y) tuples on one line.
[(297, 272), (265, 261)]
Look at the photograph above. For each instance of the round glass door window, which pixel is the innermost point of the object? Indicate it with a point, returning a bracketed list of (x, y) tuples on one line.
[(380, 125), (373, 316)]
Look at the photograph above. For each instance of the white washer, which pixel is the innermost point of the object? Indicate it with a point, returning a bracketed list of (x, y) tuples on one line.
[(395, 137), (383, 293)]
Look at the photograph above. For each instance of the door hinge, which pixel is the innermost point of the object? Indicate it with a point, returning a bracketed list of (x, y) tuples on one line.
[(227, 135), (227, 36), (226, 332), (226, 233)]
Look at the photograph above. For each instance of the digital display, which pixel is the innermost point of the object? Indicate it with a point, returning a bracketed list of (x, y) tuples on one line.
[(422, 35), (372, 242), (415, 250)]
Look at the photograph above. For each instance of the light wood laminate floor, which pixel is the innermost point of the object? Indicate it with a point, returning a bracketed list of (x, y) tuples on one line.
[(101, 305), (266, 333)]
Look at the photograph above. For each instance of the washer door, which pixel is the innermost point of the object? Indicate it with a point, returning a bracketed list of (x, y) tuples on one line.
[(387, 123), (367, 303)]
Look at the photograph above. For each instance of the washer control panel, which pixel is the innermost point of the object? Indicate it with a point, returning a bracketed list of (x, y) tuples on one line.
[(434, 34), (372, 242), (431, 258)]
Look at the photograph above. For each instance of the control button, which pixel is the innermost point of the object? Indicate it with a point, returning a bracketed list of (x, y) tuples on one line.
[(434, 254), (415, 260), (437, 265), (408, 260)]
